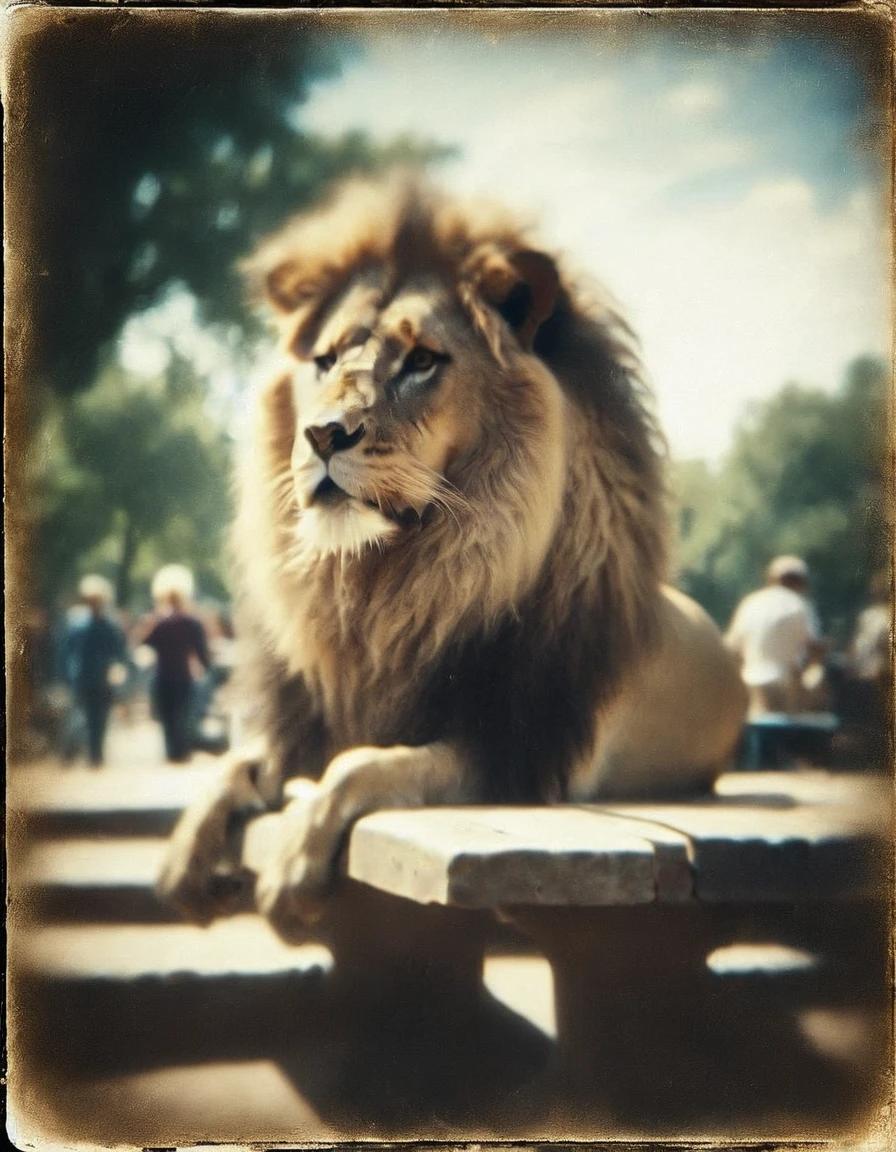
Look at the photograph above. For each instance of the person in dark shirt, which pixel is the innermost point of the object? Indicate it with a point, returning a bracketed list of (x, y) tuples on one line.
[(179, 642), (95, 660)]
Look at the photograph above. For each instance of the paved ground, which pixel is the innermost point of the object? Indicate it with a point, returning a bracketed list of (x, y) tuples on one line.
[(134, 740)]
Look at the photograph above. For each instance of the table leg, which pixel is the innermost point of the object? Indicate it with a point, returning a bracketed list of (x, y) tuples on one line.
[(649, 1037), (411, 1029)]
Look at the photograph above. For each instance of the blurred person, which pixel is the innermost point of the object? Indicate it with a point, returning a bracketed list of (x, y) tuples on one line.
[(867, 688), (94, 662), (73, 739), (775, 635), (178, 640), (871, 652)]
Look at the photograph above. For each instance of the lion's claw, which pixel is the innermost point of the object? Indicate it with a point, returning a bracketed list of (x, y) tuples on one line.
[(292, 911), (194, 888), (292, 887)]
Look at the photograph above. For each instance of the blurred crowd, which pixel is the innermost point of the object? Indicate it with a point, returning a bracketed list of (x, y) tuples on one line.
[(93, 660), (807, 702)]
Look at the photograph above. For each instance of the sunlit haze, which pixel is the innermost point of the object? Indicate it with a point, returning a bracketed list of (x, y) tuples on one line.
[(720, 184), (716, 187)]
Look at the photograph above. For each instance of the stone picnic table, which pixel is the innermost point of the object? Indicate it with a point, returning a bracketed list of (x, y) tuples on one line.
[(628, 902)]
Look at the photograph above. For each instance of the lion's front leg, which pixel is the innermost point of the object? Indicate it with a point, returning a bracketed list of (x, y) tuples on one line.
[(200, 853), (292, 884)]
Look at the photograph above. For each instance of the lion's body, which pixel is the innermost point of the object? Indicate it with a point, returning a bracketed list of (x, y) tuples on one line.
[(451, 537), (677, 716)]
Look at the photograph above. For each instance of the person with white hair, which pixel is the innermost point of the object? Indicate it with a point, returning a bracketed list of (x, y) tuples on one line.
[(95, 656), (774, 634), (179, 642)]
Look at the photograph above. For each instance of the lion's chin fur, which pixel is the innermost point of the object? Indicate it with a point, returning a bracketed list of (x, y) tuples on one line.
[(345, 529)]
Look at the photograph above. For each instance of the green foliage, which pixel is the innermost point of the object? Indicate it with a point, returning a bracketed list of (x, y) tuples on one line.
[(212, 209), (806, 475), (127, 476), (161, 147)]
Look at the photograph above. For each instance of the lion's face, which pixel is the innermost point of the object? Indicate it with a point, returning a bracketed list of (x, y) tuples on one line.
[(410, 387), (391, 394)]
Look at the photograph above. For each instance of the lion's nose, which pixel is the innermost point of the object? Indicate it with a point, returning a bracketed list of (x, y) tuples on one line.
[(327, 439)]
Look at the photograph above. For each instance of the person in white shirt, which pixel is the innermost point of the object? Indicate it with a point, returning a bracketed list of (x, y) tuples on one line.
[(774, 633), (870, 655)]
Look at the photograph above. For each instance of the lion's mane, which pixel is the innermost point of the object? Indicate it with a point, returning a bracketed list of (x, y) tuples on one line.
[(505, 625)]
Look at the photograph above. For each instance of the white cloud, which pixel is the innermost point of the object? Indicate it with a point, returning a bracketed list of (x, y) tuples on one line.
[(784, 196), (734, 301), (705, 155), (694, 98)]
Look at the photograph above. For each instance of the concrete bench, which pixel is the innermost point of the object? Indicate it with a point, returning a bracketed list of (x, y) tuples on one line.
[(780, 740), (635, 906)]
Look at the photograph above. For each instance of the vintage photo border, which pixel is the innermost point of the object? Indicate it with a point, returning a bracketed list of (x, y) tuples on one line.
[(18, 347)]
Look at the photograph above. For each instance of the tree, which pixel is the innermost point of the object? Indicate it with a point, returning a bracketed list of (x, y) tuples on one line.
[(154, 146), (806, 475), (151, 149), (131, 474), (146, 148)]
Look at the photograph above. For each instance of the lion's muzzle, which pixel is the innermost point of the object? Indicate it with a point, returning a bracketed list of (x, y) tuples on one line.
[(327, 439)]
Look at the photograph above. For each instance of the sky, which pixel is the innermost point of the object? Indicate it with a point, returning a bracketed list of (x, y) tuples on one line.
[(716, 178), (715, 182)]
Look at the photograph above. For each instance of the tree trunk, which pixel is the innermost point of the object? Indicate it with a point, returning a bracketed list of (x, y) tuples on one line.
[(126, 563)]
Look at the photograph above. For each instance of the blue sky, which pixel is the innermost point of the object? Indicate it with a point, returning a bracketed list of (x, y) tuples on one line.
[(713, 179)]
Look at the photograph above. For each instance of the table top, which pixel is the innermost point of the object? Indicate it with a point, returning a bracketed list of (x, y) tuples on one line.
[(797, 722), (763, 836)]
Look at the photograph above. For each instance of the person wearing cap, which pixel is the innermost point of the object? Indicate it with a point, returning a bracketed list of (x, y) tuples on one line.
[(774, 633), (95, 657), (179, 642)]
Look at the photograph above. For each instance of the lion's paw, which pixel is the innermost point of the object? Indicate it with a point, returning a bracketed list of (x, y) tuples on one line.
[(292, 886), (300, 869), (191, 879), (201, 876)]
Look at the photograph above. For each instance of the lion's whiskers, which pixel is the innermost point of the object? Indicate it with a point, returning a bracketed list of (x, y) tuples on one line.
[(419, 484)]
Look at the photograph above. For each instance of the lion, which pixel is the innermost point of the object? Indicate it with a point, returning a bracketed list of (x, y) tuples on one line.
[(451, 547)]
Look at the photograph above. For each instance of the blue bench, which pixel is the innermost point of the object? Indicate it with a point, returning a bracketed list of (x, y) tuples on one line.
[(778, 740)]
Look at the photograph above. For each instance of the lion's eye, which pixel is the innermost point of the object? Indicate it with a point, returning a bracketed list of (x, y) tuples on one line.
[(420, 360), (325, 363), (418, 373)]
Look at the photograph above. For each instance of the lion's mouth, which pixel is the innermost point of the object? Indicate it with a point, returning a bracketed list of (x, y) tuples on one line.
[(328, 494)]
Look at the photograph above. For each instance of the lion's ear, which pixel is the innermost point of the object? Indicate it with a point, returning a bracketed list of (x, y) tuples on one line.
[(296, 296), (524, 291), (287, 288)]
